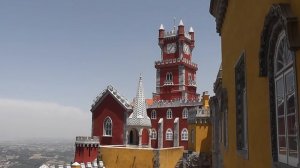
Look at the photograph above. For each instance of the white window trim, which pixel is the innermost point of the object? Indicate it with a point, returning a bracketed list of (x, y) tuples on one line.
[(185, 110), (153, 114), (184, 130), (169, 111), (153, 131), (281, 74), (169, 131), (104, 130)]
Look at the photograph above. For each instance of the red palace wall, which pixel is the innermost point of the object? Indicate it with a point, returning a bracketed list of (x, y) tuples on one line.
[(168, 123), (85, 154), (109, 107), (145, 137)]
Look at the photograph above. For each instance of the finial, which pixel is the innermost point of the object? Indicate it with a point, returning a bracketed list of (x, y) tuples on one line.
[(140, 76), (181, 23), (161, 27), (191, 30), (174, 19)]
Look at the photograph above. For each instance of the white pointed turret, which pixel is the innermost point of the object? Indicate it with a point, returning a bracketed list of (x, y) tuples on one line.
[(140, 105), (161, 27), (191, 30), (139, 116), (181, 23)]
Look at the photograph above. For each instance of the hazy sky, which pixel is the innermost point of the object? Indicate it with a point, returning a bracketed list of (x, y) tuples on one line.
[(58, 55)]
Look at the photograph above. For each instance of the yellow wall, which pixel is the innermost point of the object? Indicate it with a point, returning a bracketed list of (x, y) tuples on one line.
[(241, 31), (205, 100), (202, 138), (168, 157), (122, 157)]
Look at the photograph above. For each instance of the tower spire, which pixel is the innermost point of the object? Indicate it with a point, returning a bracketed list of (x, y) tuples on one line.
[(161, 27), (139, 115), (181, 23)]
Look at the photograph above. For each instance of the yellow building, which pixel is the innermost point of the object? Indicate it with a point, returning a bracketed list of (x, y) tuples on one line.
[(133, 157), (200, 127), (257, 102)]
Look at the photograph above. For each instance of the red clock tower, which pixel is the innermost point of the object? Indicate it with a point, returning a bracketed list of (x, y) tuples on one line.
[(176, 90), (175, 72)]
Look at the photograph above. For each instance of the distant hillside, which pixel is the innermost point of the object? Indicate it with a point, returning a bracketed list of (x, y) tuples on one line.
[(35, 152)]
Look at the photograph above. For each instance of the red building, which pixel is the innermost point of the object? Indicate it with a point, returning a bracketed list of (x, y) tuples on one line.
[(175, 88), (161, 123)]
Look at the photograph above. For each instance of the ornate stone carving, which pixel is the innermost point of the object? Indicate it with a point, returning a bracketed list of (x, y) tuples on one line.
[(278, 19)]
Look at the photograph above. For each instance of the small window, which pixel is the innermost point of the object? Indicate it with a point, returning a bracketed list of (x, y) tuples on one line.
[(185, 113), (190, 76), (153, 114), (169, 114), (169, 135), (153, 134), (169, 76), (184, 134), (107, 127)]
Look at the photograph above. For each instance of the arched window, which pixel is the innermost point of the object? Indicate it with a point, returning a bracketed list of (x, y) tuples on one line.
[(190, 77), (169, 76), (184, 134), (185, 113), (285, 99), (169, 114), (169, 135), (107, 127), (153, 134), (153, 114)]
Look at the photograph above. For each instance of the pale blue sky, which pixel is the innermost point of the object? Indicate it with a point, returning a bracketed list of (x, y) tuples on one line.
[(67, 51)]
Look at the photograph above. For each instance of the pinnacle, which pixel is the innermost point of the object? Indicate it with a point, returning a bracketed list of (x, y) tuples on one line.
[(191, 30), (161, 27), (181, 23)]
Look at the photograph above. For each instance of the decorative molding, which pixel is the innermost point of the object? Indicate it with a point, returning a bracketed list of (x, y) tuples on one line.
[(241, 113), (279, 18), (218, 9), (112, 91)]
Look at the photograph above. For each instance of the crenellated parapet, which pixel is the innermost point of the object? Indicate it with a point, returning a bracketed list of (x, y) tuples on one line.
[(178, 61), (93, 164), (87, 141), (174, 33), (175, 103), (199, 115)]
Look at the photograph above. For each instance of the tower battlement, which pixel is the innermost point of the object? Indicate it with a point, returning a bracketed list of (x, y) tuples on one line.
[(175, 103), (174, 33), (87, 141), (176, 61)]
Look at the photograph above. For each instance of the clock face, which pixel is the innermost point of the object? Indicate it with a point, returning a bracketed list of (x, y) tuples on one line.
[(186, 49), (171, 48)]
